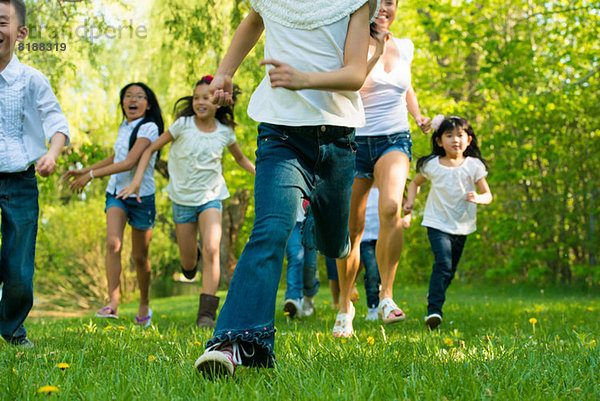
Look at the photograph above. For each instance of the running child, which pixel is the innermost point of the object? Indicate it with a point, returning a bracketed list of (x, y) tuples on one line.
[(196, 185), (308, 108), (141, 126), (457, 173), (31, 115)]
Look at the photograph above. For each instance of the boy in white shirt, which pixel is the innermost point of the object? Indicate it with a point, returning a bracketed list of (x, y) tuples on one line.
[(31, 115)]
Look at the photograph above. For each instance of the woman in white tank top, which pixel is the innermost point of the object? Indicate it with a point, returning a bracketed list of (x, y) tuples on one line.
[(383, 156)]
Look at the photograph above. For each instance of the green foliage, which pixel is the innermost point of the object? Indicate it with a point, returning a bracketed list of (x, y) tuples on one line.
[(486, 348)]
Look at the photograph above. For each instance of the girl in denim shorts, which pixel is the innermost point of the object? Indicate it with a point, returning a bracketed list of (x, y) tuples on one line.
[(383, 158), (142, 126), (196, 186)]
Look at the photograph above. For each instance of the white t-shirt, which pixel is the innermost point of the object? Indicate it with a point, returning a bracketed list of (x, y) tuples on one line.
[(195, 173), (384, 94), (119, 181), (446, 208), (315, 50), (372, 216)]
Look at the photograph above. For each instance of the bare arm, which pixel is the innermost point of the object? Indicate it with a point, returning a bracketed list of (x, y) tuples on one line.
[(413, 189), (244, 39), (484, 197), (348, 78), (241, 159), (413, 108), (380, 40), (47, 163), (136, 183)]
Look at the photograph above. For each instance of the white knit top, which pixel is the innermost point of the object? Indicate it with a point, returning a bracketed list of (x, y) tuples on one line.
[(310, 14)]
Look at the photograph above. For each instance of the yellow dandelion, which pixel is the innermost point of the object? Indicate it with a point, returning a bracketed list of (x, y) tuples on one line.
[(107, 328), (533, 320), (151, 358), (14, 370), (589, 308), (325, 302), (63, 366), (121, 327), (198, 343), (404, 303), (448, 342), (487, 304), (286, 313), (370, 340), (163, 316), (48, 389), (343, 341), (593, 342)]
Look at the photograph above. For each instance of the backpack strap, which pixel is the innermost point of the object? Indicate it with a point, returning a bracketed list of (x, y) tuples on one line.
[(134, 133)]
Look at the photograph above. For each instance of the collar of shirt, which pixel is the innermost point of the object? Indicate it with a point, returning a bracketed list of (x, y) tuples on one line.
[(132, 124), (11, 72)]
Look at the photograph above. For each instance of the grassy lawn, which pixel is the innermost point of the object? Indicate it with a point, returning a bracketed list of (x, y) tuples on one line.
[(487, 348)]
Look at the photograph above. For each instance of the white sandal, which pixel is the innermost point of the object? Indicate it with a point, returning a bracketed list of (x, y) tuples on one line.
[(385, 311), (343, 324)]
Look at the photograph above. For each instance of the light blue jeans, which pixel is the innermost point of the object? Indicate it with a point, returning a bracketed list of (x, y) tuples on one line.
[(315, 163)]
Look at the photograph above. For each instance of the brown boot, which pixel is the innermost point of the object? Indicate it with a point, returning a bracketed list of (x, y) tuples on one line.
[(207, 310)]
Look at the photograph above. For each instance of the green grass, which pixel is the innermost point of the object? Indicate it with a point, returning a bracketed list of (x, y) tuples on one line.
[(486, 349)]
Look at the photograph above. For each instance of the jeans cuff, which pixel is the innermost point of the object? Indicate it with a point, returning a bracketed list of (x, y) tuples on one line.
[(263, 355)]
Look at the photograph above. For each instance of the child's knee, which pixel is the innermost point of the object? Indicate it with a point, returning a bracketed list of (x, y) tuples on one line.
[(113, 244)]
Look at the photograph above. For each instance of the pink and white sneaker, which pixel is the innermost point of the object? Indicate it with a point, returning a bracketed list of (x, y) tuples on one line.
[(220, 360)]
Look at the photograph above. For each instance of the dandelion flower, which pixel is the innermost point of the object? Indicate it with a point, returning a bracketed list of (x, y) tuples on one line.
[(48, 389), (151, 358), (286, 313), (163, 316), (198, 343), (63, 365), (325, 302), (448, 342), (343, 341), (121, 327), (370, 340), (589, 308), (533, 320)]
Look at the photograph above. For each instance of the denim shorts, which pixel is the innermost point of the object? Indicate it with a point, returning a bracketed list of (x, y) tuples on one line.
[(139, 215), (372, 148), (189, 214)]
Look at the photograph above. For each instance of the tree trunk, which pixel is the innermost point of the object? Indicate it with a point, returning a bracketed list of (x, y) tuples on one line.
[(234, 215)]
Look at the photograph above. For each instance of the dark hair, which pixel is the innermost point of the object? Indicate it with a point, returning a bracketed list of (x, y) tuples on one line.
[(154, 114), (224, 114), (451, 124), (20, 9)]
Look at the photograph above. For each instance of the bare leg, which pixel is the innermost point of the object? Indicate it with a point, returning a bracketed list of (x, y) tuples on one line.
[(140, 247), (347, 268), (187, 240), (390, 173), (115, 226), (210, 230), (334, 287)]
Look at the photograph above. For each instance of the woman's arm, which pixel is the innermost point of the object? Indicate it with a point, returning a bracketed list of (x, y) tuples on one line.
[(413, 108), (136, 183), (241, 159), (380, 41), (348, 78), (413, 189), (484, 197)]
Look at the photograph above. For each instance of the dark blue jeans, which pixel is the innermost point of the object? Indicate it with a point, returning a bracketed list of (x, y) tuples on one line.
[(316, 163), (372, 279), (447, 249), (19, 205), (301, 275)]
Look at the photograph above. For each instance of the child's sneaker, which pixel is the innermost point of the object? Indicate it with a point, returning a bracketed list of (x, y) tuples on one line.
[(433, 321), (219, 360), (293, 308), (372, 315), (308, 306)]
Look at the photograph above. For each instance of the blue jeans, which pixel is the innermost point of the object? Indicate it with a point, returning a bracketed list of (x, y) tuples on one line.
[(19, 205), (447, 249), (332, 273), (189, 214), (316, 163), (140, 216), (372, 279), (372, 148), (301, 267)]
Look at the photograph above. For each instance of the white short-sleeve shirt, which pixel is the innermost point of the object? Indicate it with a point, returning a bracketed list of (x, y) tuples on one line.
[(120, 180), (447, 209), (384, 94), (195, 172)]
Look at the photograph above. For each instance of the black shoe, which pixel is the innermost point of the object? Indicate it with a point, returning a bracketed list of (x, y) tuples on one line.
[(21, 342), (433, 321), (190, 274)]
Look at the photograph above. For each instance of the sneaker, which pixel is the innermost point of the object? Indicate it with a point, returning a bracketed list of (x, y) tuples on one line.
[(21, 342), (293, 307), (372, 315), (308, 306), (433, 321), (221, 360)]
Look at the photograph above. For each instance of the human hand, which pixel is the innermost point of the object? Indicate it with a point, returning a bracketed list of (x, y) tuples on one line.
[(408, 207), (424, 123), (221, 90), (79, 182), (473, 197), (132, 188), (406, 220), (380, 38), (283, 75), (46, 164)]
